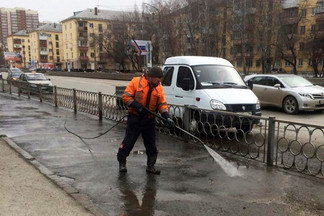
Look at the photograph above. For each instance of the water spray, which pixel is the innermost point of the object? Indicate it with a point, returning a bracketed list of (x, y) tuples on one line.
[(228, 168)]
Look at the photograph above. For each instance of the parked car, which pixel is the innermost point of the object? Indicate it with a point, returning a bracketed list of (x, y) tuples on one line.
[(290, 92), (34, 80), (13, 76)]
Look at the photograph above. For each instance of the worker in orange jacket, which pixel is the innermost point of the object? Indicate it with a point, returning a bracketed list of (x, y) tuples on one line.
[(145, 91)]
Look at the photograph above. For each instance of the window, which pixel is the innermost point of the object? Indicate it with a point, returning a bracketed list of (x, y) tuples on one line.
[(288, 63), (258, 63), (56, 37), (259, 80), (249, 63), (300, 62), (302, 29), (184, 72), (92, 55), (301, 46), (271, 81), (57, 52), (91, 25), (167, 78), (100, 27), (58, 59), (304, 12), (312, 28), (57, 44)]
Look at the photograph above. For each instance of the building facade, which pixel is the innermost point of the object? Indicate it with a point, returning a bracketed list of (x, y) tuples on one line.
[(46, 47), (19, 44), (87, 36), (13, 20)]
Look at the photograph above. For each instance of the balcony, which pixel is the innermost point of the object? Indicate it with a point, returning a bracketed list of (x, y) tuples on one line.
[(43, 60), (289, 20), (83, 48), (84, 58), (82, 29), (43, 52), (319, 17)]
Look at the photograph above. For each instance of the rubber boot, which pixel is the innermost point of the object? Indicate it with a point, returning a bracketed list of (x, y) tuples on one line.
[(122, 164), (150, 165)]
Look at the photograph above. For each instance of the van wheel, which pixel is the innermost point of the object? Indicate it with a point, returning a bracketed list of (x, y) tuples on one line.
[(290, 105)]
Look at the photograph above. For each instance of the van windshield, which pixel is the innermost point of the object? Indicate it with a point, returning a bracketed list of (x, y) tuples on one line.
[(217, 76)]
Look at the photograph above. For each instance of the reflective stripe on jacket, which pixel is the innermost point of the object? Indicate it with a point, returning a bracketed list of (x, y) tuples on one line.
[(138, 88)]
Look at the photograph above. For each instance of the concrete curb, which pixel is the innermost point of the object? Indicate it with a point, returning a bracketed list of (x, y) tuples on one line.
[(82, 199)]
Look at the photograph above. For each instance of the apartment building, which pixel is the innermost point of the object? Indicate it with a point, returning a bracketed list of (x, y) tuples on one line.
[(46, 46), (19, 44), (86, 35), (13, 20)]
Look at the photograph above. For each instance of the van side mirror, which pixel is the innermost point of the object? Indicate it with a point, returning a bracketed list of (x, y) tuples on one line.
[(187, 84), (250, 84)]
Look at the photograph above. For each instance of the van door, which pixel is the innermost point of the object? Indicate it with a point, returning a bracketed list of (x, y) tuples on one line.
[(181, 96)]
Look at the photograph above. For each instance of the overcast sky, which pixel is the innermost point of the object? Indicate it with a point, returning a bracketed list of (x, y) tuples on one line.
[(57, 10)]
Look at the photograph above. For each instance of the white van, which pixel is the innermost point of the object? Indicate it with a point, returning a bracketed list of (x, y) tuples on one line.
[(209, 83)]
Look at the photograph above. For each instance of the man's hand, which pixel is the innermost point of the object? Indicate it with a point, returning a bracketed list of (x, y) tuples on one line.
[(167, 120), (139, 108), (169, 123)]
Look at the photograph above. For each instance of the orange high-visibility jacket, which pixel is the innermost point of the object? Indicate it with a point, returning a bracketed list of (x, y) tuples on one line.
[(137, 89)]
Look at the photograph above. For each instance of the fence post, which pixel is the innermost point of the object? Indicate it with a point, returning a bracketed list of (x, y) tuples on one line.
[(19, 88), (40, 93), (186, 121), (10, 87), (75, 101), (100, 105), (2, 80), (28, 90), (55, 96), (271, 140)]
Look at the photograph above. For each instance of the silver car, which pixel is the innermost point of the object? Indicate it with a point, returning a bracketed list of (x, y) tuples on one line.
[(290, 92)]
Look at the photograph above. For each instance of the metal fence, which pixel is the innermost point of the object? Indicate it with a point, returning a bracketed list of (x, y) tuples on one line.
[(290, 145)]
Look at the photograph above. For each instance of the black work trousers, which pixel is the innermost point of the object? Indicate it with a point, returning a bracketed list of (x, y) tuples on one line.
[(137, 125)]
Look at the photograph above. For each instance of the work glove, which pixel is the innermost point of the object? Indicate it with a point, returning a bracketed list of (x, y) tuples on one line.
[(168, 120), (169, 123), (139, 108)]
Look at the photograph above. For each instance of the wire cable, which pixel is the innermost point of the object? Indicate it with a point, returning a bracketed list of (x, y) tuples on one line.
[(95, 137)]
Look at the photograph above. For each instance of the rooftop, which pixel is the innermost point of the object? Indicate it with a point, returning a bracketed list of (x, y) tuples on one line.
[(98, 14)]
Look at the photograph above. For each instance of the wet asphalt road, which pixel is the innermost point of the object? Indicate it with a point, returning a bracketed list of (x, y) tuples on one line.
[(191, 183)]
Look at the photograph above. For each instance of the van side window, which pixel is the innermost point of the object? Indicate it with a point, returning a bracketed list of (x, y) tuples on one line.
[(167, 76), (184, 72)]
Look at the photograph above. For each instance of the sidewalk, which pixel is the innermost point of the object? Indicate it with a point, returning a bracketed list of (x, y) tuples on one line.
[(25, 191)]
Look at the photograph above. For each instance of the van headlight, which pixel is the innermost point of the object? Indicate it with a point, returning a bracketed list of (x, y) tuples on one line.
[(257, 106), (217, 105)]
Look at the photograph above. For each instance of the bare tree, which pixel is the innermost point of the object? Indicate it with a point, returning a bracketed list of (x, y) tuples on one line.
[(117, 41), (289, 34), (315, 45)]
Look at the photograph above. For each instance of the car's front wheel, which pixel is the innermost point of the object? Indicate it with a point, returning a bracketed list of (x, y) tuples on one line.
[(290, 105)]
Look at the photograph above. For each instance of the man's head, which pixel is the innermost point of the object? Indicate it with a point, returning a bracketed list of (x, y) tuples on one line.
[(155, 75)]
